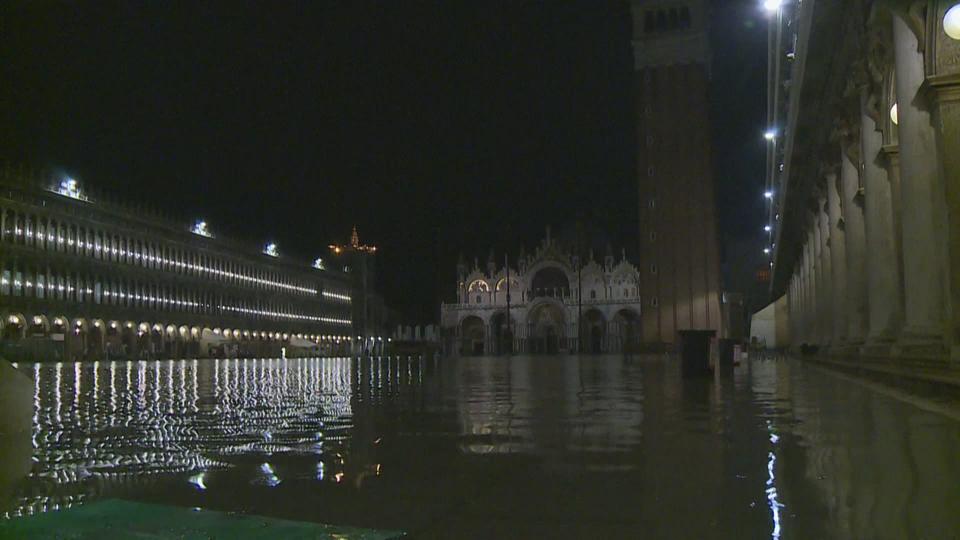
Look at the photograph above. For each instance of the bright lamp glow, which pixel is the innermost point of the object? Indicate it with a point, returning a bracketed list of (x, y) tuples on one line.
[(770, 134), (951, 22), (894, 117), (766, 228), (771, 5), (200, 227), (766, 250), (318, 264), (768, 194), (271, 250)]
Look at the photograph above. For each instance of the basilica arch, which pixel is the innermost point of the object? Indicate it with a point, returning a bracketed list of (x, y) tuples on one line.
[(546, 325)]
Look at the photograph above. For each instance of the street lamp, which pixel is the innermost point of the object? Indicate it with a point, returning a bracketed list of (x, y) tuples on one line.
[(770, 134), (951, 22), (768, 194), (772, 5)]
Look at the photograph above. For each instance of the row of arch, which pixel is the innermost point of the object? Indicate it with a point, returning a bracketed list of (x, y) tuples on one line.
[(547, 330), (62, 337), (50, 234), (33, 281), (553, 282)]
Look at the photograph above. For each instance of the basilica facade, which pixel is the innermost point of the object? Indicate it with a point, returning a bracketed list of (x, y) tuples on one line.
[(535, 303)]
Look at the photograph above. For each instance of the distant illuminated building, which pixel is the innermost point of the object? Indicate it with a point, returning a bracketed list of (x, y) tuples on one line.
[(536, 304), (96, 278)]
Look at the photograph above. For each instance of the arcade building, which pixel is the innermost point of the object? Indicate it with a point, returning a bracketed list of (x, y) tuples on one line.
[(84, 276)]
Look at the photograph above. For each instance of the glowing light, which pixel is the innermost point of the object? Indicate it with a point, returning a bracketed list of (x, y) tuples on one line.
[(318, 264), (198, 481), (772, 5), (770, 134), (200, 227), (894, 117), (951, 22), (13, 319), (37, 320), (768, 194), (70, 188), (766, 250), (766, 228), (271, 250)]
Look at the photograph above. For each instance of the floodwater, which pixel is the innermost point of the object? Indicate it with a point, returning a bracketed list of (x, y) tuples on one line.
[(526, 447)]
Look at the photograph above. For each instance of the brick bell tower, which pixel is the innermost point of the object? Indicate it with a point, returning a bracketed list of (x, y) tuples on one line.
[(678, 241)]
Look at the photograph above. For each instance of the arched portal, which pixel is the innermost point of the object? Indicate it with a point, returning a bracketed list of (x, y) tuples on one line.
[(593, 332), (472, 336), (550, 282), (546, 325), (626, 325)]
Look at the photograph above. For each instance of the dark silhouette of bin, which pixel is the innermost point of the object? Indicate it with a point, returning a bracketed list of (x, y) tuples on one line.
[(695, 352)]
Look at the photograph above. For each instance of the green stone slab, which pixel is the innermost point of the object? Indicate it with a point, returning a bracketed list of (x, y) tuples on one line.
[(116, 519)]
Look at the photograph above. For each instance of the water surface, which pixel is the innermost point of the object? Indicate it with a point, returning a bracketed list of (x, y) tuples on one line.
[(591, 447)]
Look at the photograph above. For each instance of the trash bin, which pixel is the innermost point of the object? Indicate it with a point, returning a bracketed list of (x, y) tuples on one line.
[(695, 352)]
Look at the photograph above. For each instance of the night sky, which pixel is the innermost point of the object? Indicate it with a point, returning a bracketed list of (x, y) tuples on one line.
[(435, 127)]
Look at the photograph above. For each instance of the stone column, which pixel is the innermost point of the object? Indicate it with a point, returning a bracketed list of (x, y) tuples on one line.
[(813, 290), (922, 199), (838, 263), (804, 336), (945, 99), (855, 243), (882, 277), (827, 285)]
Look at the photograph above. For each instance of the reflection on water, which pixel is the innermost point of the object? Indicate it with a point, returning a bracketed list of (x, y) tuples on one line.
[(546, 446)]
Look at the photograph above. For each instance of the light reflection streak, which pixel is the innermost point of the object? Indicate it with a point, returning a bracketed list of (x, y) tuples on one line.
[(147, 425), (772, 496)]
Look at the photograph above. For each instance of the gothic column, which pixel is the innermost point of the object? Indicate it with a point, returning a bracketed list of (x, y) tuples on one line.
[(882, 269), (837, 259), (814, 284), (943, 96), (855, 243), (922, 196), (826, 262)]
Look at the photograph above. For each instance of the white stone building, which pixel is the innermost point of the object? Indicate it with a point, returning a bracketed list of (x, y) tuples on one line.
[(539, 294)]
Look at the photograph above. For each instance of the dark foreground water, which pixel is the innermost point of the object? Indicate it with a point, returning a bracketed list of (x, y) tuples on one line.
[(544, 447)]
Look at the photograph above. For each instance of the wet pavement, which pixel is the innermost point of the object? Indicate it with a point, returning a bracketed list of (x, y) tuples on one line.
[(551, 447)]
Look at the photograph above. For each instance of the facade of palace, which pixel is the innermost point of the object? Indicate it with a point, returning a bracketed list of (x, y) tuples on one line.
[(864, 181), (82, 276), (535, 304), (679, 255)]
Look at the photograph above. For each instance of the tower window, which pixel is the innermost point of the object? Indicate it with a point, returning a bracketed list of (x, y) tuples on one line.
[(653, 269), (652, 203), (479, 299), (654, 302), (653, 236), (650, 171), (593, 295)]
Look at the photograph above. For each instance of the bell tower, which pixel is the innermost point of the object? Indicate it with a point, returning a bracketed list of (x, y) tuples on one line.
[(678, 241)]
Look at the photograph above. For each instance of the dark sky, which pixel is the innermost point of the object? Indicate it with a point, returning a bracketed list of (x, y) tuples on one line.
[(435, 127)]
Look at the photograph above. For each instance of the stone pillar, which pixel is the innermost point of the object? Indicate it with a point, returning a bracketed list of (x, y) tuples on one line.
[(827, 286), (813, 325), (945, 99), (821, 290), (855, 243), (838, 262), (884, 301), (922, 199)]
